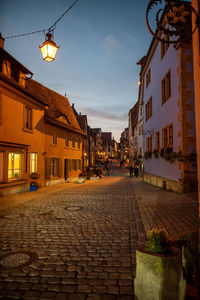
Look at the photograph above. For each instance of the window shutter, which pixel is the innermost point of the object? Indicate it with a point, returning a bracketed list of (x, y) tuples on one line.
[(47, 167), (60, 168)]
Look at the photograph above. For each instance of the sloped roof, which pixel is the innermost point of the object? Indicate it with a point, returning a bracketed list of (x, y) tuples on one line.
[(82, 119), (107, 138), (134, 115), (59, 111)]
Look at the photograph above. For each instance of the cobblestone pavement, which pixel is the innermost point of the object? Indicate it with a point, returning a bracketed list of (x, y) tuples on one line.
[(77, 243), (174, 212)]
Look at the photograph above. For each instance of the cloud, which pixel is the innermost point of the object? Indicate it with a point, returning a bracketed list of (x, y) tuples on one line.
[(130, 39), (110, 43), (105, 115)]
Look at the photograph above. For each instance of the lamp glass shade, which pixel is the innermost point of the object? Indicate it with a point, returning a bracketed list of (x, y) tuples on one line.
[(49, 49)]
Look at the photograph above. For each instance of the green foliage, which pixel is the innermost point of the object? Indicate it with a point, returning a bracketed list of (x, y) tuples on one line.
[(157, 242), (156, 153), (148, 154)]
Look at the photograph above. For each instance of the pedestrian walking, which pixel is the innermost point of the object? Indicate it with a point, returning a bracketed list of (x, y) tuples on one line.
[(131, 169), (108, 170), (136, 171)]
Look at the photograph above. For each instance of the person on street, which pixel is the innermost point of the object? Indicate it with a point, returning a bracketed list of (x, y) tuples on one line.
[(136, 171), (131, 169)]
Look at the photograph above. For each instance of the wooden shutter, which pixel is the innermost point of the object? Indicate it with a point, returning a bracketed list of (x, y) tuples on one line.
[(60, 167), (47, 167)]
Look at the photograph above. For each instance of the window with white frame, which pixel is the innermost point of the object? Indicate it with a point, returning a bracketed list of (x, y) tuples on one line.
[(14, 166), (33, 162)]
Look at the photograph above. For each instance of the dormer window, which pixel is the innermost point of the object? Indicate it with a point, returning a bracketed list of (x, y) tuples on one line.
[(15, 73)]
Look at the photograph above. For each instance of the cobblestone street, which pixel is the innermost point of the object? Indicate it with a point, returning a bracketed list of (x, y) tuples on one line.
[(77, 243)]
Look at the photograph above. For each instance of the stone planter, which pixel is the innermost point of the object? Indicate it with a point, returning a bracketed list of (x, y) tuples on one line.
[(159, 277)]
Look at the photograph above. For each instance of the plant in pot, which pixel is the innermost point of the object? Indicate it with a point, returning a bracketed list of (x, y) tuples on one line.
[(81, 178), (159, 271), (156, 153)]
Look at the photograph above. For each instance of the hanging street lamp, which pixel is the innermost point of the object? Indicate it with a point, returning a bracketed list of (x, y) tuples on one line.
[(49, 48)]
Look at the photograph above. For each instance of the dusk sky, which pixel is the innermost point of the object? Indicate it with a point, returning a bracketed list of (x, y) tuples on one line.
[(100, 43)]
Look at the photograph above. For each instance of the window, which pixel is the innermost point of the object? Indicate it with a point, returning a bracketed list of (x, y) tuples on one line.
[(164, 46), (79, 144), (54, 138), (148, 109), (33, 163), (54, 167), (168, 136), (15, 73), (66, 142), (28, 118), (14, 166), (148, 77), (166, 87), (149, 144), (157, 140), (73, 142)]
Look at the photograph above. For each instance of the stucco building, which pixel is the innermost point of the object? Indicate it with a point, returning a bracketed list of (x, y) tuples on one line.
[(169, 116), (40, 139)]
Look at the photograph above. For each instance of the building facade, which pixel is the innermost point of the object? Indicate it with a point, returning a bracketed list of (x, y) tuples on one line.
[(169, 118), (40, 139)]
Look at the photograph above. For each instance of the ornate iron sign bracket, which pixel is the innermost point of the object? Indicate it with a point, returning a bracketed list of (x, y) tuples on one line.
[(173, 22)]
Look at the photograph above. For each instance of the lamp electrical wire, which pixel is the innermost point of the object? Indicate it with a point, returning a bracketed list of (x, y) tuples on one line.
[(43, 30)]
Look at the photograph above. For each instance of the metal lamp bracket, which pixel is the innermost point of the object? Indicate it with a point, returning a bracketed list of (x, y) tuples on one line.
[(173, 21)]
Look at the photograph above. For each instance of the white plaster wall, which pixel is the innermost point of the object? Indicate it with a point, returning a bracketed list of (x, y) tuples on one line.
[(140, 117), (165, 114)]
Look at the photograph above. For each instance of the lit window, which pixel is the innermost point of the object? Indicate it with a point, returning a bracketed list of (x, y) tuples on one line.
[(14, 166), (33, 163), (28, 118)]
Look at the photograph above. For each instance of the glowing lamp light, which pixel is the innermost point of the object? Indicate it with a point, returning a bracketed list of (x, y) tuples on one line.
[(49, 49)]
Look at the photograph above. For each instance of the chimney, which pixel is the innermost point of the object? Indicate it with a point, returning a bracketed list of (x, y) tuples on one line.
[(1, 41), (72, 105)]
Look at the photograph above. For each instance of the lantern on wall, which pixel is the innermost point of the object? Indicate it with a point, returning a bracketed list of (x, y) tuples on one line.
[(49, 48)]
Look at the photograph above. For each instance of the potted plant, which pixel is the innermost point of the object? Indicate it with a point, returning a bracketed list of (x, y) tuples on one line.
[(159, 271), (156, 153), (148, 154), (33, 186)]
